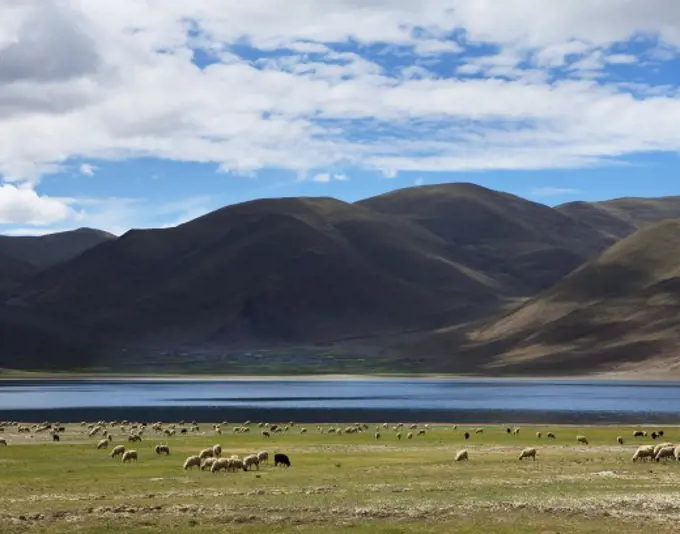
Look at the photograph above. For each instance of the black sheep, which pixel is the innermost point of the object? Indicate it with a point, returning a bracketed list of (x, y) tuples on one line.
[(467, 435), (55, 437), (654, 435), (660, 433), (508, 430), (280, 458)]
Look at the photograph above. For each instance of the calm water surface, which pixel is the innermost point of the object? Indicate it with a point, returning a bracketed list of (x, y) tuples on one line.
[(482, 400)]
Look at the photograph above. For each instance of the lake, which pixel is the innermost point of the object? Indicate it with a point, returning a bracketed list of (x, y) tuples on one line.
[(344, 400)]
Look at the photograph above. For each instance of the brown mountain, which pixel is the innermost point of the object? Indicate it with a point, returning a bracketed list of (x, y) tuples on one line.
[(621, 217), (523, 245), (283, 270), (46, 250), (621, 308)]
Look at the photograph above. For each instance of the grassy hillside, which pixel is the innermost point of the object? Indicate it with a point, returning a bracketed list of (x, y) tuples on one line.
[(619, 308)]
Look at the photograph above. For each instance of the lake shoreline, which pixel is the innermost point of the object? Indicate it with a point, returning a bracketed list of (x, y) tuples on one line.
[(123, 377)]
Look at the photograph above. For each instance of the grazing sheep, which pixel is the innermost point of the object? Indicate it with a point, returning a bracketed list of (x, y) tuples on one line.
[(661, 446), (677, 453), (398, 435), (3, 442), (619, 440), (538, 435), (206, 453), (467, 435), (551, 435), (462, 455), (660, 432), (303, 431), (160, 449), (639, 434), (654, 435), (479, 431), (508, 430), (582, 440), (129, 456), (421, 432), (377, 435), (118, 450), (103, 444), (192, 461), (235, 463), (251, 460), (221, 463), (516, 431), (266, 434), (281, 459), (208, 463), (646, 451), (665, 452), (134, 437), (55, 437), (217, 450), (263, 456), (528, 453), (409, 435)]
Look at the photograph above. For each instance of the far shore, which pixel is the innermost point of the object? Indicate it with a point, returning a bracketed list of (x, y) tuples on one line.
[(15, 375)]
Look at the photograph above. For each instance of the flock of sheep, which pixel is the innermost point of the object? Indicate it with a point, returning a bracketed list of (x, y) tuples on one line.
[(211, 458)]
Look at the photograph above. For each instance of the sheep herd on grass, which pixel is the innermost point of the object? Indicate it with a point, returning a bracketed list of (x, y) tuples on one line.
[(211, 458)]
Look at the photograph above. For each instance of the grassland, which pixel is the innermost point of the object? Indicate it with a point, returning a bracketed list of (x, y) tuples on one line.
[(342, 483)]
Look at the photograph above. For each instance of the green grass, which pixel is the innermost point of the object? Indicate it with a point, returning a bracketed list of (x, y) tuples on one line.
[(342, 483)]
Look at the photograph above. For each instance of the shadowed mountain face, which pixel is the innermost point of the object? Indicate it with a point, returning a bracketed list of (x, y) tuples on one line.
[(46, 250), (523, 245), (417, 271), (285, 270)]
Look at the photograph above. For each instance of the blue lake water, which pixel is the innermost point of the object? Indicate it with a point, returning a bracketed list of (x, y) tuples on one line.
[(445, 400)]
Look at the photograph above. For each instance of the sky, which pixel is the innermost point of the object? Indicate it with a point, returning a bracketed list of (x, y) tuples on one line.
[(148, 113)]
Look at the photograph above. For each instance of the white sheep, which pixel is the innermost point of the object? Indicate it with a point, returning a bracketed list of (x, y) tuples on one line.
[(582, 440), (515, 431), (462, 455), (398, 435), (192, 461), (263, 456), (129, 456), (660, 446), (103, 444), (208, 463), (118, 451), (676, 453), (665, 452), (538, 435), (220, 463), (528, 453), (646, 451), (251, 460), (235, 464), (206, 453), (409, 435), (479, 431), (619, 440), (160, 449), (217, 450)]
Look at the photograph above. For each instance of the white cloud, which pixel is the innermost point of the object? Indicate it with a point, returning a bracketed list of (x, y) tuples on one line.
[(121, 84), (21, 205), (554, 191), (326, 177), (87, 169)]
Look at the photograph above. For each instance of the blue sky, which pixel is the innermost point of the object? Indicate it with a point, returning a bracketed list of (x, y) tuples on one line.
[(147, 114)]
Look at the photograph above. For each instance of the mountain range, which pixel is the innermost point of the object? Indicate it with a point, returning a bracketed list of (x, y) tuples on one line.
[(444, 278)]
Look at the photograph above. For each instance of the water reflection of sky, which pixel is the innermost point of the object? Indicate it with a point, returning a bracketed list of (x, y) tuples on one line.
[(453, 394)]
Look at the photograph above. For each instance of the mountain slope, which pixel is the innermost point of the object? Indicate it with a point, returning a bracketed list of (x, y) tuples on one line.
[(282, 270), (45, 250), (623, 306), (621, 217), (524, 245)]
